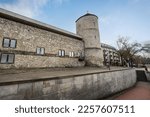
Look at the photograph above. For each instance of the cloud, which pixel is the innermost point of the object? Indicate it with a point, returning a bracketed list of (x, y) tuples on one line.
[(137, 1), (59, 1), (29, 8)]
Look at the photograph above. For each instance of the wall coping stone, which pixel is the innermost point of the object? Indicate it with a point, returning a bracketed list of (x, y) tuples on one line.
[(24, 77)]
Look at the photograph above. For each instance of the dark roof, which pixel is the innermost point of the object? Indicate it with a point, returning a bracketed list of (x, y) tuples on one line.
[(87, 14), (147, 45), (28, 21), (107, 46)]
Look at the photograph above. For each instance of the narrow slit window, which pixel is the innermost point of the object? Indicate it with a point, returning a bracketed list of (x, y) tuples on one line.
[(94, 23)]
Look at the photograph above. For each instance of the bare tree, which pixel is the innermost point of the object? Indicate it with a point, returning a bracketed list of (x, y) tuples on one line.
[(127, 50)]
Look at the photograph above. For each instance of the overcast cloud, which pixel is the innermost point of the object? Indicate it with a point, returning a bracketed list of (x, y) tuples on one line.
[(29, 8)]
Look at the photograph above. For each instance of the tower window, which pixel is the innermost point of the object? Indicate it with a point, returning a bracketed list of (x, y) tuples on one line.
[(94, 23), (40, 51), (9, 43), (7, 58), (61, 53)]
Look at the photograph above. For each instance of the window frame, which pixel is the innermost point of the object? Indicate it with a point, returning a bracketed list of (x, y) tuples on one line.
[(61, 53), (40, 48), (7, 59), (71, 54), (9, 43)]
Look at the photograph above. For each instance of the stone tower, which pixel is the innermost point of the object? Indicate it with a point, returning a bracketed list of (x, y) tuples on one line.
[(87, 27)]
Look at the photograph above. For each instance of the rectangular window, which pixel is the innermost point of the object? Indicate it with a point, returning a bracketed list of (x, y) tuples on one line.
[(13, 43), (9, 43), (71, 54), (10, 58), (7, 58), (61, 53), (78, 54), (6, 43), (40, 51), (4, 58), (81, 54)]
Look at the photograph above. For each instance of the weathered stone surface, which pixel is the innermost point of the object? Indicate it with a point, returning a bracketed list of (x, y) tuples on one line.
[(88, 78), (29, 38), (26, 90), (78, 80), (94, 86), (8, 90), (95, 77), (68, 80), (49, 83), (12, 97), (52, 96), (87, 27), (148, 75), (93, 57), (65, 86), (37, 89), (51, 89)]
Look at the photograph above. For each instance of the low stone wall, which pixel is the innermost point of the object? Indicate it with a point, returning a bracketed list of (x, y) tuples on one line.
[(148, 76), (88, 86)]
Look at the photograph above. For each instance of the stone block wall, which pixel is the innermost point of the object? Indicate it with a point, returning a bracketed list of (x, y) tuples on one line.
[(148, 76), (93, 57), (29, 38), (88, 86), (87, 27), (29, 61)]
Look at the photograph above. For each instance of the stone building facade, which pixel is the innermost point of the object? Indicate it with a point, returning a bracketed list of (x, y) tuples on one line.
[(27, 43)]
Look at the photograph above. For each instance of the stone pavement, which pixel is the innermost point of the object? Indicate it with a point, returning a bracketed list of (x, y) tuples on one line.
[(141, 91)]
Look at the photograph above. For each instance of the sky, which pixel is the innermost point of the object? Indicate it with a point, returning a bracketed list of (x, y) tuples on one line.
[(128, 18)]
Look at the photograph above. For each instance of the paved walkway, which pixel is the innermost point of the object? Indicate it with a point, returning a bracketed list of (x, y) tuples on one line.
[(140, 92), (9, 76)]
